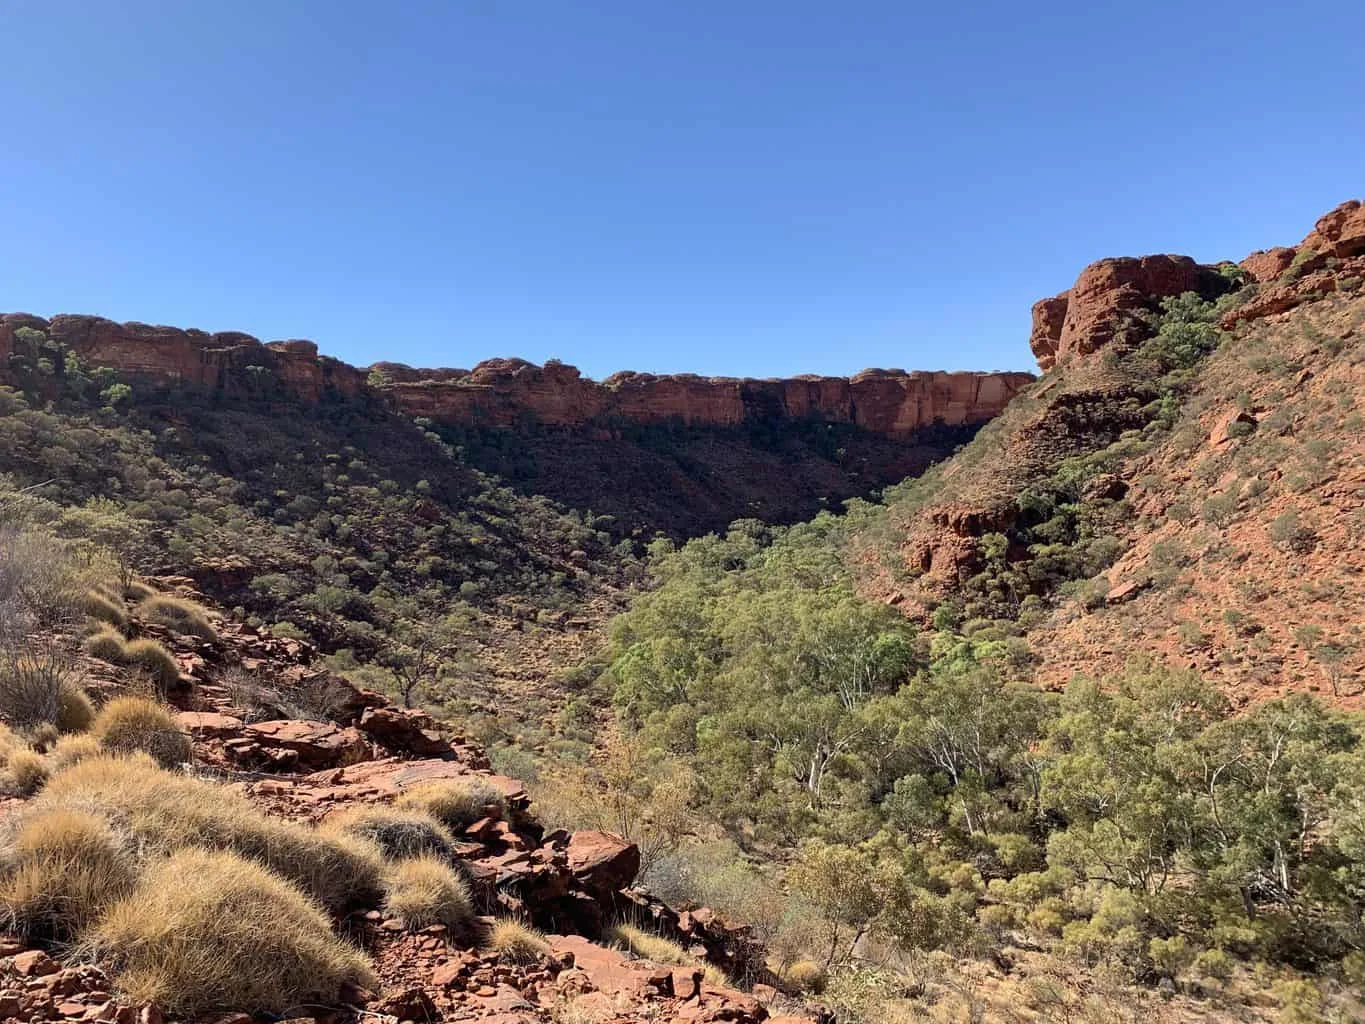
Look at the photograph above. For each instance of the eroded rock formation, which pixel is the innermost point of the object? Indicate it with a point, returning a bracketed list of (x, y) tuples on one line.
[(1111, 293), (513, 393)]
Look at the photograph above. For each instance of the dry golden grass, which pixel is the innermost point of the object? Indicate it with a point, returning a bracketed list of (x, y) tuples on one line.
[(25, 772), (455, 803), (137, 591), (62, 868), (70, 749), (517, 943), (127, 724), (102, 608), (806, 976), (210, 929), (424, 891), (170, 812), (651, 946), (106, 645), (155, 660), (182, 616), (400, 834), (75, 713)]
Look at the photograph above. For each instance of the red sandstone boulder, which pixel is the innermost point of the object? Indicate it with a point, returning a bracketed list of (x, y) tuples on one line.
[(404, 731), (1340, 233), (208, 725), (1266, 265), (604, 863), (307, 745), (1049, 315)]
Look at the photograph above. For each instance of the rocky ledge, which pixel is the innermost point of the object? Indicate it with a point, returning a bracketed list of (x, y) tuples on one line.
[(362, 749), (513, 393)]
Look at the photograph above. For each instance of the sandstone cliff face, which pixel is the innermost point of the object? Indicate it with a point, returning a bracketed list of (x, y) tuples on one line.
[(1283, 380), (220, 361), (512, 393)]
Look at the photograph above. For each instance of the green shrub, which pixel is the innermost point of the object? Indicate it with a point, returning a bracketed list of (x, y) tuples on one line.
[(1288, 531), (1214, 964)]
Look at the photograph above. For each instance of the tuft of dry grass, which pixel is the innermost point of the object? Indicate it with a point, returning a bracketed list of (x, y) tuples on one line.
[(155, 660), (127, 724), (75, 713), (25, 772), (62, 868), (517, 943), (73, 748), (210, 929), (106, 645), (424, 891), (181, 616), (806, 976), (170, 812), (102, 608), (400, 834), (137, 591), (455, 803), (652, 946)]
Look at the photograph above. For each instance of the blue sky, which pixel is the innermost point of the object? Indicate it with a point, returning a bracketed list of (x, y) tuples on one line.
[(754, 188)]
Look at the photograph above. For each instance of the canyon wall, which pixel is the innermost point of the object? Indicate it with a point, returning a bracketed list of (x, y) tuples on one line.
[(513, 393)]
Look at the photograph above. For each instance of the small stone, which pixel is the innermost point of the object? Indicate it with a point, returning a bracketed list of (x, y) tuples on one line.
[(35, 962)]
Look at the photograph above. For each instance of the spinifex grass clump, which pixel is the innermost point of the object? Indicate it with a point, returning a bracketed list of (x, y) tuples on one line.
[(168, 812), (61, 869), (400, 834), (208, 929), (424, 891)]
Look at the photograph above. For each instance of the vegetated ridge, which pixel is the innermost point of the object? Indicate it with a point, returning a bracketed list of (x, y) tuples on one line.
[(1181, 482)]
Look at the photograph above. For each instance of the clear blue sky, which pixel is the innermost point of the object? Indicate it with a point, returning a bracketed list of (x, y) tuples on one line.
[(757, 188)]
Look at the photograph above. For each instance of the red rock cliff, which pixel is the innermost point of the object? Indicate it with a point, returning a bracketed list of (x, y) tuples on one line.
[(512, 392), (1110, 294)]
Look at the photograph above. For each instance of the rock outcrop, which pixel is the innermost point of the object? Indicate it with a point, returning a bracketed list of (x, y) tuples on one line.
[(1111, 294), (1106, 299), (513, 393)]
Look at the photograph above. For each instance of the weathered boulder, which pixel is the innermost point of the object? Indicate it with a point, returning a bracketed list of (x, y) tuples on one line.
[(404, 731), (291, 743), (604, 863)]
